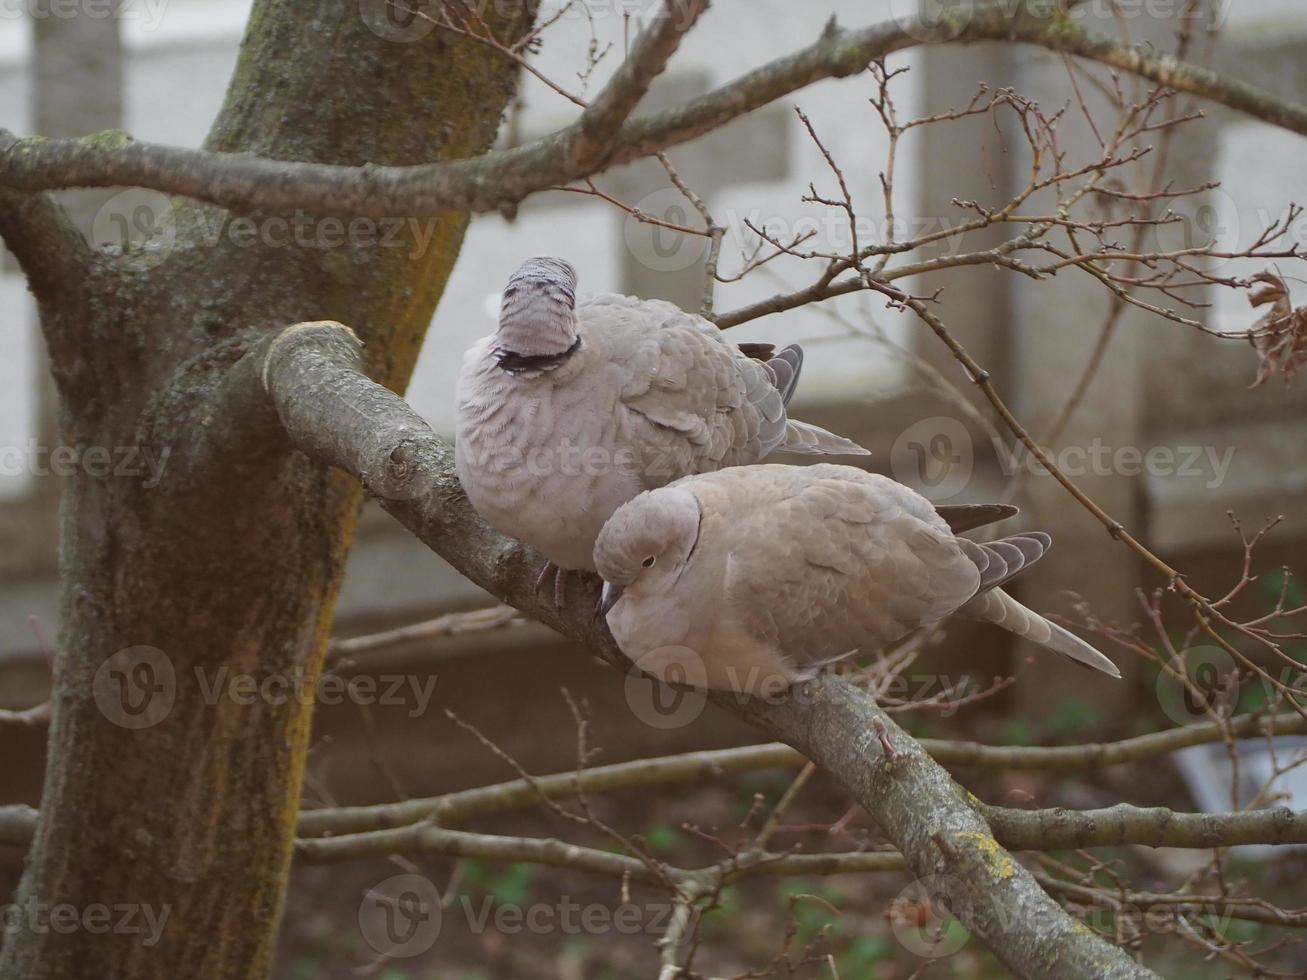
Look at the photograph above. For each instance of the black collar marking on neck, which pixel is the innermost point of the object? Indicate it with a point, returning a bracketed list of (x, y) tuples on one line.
[(694, 546), (515, 363)]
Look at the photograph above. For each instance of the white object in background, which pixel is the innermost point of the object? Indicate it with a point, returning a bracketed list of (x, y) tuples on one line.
[(1207, 772), (18, 389)]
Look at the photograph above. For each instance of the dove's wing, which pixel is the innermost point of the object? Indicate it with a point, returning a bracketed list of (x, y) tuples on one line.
[(827, 559), (967, 517), (692, 401)]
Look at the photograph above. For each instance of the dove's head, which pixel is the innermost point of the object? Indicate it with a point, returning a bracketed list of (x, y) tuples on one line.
[(646, 543), (537, 313)]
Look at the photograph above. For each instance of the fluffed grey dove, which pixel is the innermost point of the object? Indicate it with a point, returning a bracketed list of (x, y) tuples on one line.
[(572, 408), (754, 578)]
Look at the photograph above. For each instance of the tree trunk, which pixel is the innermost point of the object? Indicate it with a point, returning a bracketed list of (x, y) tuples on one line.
[(230, 564)]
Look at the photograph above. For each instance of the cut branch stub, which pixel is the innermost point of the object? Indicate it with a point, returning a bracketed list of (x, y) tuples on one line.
[(317, 367)]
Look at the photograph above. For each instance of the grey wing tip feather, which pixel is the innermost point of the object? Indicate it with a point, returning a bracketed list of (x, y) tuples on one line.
[(1031, 544), (1001, 560), (967, 517), (757, 352), (812, 440)]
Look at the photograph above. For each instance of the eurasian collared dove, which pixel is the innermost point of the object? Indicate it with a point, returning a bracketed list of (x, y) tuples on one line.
[(754, 578), (572, 408)]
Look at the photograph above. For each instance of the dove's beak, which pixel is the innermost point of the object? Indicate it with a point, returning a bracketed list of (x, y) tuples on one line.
[(608, 598)]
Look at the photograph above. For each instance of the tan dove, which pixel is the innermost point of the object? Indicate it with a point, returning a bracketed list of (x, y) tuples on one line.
[(754, 578), (572, 408)]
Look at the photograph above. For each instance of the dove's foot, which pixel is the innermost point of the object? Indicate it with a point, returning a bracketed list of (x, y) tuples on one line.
[(557, 577)]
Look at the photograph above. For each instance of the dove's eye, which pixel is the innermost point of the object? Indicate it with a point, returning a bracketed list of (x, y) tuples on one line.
[(649, 562)]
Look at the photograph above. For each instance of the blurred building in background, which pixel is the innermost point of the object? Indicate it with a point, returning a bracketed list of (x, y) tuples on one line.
[(159, 71)]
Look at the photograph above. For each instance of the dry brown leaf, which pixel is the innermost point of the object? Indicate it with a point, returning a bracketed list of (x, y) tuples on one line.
[(1280, 336)]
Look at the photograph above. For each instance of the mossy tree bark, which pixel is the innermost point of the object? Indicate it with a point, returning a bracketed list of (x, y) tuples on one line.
[(234, 559)]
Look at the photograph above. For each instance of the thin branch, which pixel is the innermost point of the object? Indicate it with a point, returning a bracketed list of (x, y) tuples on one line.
[(429, 839), (1248, 910), (450, 624), (597, 129)]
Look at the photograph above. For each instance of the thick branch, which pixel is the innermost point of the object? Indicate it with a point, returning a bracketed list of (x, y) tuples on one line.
[(33, 717), (503, 178), (1048, 830), (1016, 830), (333, 412), (596, 131), (1095, 755), (458, 807), (1032, 830), (426, 838), (49, 249)]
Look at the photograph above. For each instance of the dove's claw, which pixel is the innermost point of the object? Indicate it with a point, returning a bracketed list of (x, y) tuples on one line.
[(558, 578), (548, 571), (560, 588)]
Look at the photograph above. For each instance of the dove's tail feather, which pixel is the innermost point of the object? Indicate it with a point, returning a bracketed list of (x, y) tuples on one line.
[(813, 440), (999, 608), (786, 368)]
